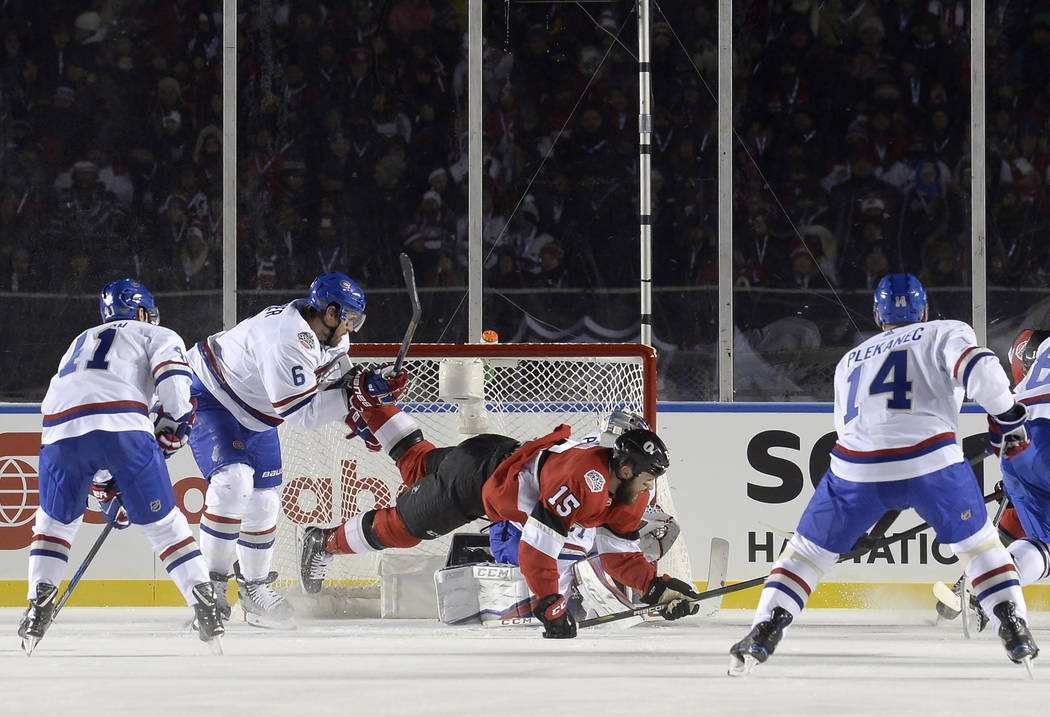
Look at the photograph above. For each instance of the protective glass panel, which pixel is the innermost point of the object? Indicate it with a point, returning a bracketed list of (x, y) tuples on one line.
[(852, 162), (112, 168)]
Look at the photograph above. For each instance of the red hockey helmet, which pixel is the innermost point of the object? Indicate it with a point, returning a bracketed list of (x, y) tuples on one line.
[(1023, 352)]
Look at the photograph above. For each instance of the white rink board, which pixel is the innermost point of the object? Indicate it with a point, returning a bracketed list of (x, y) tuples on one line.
[(719, 453)]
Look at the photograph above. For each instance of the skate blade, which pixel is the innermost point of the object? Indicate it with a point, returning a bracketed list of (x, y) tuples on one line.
[(29, 644), (269, 624), (215, 645), (741, 668), (1027, 662)]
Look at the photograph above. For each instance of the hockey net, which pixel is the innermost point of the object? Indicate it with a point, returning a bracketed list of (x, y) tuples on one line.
[(527, 389)]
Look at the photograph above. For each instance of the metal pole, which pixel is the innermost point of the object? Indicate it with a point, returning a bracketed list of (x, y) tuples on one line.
[(475, 172), (229, 163), (978, 175), (645, 150), (725, 200)]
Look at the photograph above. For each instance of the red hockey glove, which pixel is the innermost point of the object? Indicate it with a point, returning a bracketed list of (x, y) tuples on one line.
[(359, 428), (553, 612), (108, 496), (1007, 435), (673, 595), (378, 386)]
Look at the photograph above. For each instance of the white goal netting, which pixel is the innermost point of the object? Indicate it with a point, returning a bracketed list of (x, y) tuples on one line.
[(528, 389)]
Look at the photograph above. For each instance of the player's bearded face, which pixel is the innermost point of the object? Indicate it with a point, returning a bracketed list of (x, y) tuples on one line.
[(631, 488)]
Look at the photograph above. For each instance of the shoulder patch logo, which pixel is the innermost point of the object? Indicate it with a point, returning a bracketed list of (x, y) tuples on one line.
[(595, 481), (306, 338)]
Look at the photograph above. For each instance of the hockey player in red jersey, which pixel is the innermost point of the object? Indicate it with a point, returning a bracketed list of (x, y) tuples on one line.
[(546, 486)]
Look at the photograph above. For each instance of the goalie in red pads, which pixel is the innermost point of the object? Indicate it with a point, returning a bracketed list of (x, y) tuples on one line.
[(547, 486)]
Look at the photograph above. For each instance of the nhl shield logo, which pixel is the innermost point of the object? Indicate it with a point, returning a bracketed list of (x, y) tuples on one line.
[(595, 481), (306, 338)]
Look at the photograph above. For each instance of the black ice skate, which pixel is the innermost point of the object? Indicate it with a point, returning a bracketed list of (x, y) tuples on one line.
[(208, 616), (219, 582), (948, 604), (313, 558), (760, 643), (37, 617), (1017, 639), (262, 605)]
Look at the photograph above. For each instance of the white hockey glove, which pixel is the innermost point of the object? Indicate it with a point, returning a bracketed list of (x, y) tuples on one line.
[(173, 433), (376, 387), (657, 533), (335, 372), (1007, 435), (672, 593), (104, 488)]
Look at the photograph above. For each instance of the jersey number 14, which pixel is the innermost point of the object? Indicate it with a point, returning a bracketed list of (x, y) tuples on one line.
[(891, 378)]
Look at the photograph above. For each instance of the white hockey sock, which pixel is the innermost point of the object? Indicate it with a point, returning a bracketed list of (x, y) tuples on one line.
[(991, 572), (49, 551), (224, 506), (173, 543), (1032, 559), (793, 578), (258, 533)]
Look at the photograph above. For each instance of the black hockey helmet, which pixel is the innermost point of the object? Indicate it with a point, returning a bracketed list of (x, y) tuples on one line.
[(1024, 351), (641, 449)]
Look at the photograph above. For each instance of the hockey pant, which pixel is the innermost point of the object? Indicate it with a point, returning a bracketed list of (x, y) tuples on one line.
[(444, 494)]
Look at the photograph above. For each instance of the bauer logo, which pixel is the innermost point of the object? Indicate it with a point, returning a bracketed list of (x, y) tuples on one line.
[(18, 488), (595, 481)]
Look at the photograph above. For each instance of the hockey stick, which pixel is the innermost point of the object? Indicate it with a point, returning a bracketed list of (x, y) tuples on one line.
[(717, 567), (73, 581), (736, 587), (417, 311)]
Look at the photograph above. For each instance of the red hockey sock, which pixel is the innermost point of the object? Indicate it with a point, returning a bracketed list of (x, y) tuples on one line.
[(336, 543), (391, 531)]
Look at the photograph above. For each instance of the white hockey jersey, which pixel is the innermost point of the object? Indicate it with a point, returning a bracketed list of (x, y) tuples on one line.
[(897, 399), (108, 378), (1034, 389), (264, 370)]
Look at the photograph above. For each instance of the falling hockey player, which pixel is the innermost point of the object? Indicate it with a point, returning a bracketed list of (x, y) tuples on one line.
[(1026, 478), (897, 401), (97, 437), (547, 485), (266, 370)]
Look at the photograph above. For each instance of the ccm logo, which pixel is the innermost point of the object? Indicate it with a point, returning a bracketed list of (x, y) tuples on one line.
[(500, 573)]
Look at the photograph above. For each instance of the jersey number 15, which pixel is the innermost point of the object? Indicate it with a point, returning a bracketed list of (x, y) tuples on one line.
[(891, 378)]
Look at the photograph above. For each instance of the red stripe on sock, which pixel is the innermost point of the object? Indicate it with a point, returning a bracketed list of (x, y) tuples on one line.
[(221, 518), (992, 573), (802, 583), (261, 532), (177, 546), (52, 539)]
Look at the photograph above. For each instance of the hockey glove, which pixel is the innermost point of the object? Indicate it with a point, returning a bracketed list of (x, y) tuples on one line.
[(1007, 435), (105, 491), (376, 387), (672, 594), (173, 433), (359, 428), (553, 612)]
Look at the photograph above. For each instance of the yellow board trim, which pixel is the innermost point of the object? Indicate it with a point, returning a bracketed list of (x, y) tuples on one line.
[(881, 596)]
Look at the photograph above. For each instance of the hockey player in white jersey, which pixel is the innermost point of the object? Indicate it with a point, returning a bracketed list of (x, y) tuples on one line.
[(97, 437), (897, 401), (266, 370)]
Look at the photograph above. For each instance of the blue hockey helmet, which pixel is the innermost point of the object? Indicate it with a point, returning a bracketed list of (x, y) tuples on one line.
[(122, 299), (339, 289), (899, 299)]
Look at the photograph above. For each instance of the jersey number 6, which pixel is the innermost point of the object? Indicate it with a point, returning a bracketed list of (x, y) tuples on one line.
[(568, 504), (891, 378)]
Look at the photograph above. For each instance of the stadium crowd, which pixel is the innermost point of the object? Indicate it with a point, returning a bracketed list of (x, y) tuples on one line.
[(852, 116)]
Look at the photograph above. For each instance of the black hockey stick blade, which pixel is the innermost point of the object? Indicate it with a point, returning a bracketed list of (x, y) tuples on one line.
[(417, 311)]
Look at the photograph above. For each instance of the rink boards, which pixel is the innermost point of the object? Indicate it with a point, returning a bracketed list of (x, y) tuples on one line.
[(740, 471)]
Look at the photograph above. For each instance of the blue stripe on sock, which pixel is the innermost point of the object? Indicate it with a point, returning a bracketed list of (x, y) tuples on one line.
[(217, 534), (785, 589), (256, 546), (996, 588), (188, 556), (50, 554)]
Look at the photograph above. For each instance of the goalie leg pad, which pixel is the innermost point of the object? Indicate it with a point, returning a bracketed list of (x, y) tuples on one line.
[(49, 550), (173, 543), (598, 594), (492, 593), (258, 533), (991, 571)]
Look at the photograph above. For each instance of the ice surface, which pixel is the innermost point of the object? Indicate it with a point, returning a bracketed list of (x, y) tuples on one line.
[(121, 661)]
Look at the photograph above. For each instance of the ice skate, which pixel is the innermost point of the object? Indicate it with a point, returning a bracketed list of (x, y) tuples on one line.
[(949, 603), (759, 644), (208, 616), (219, 582), (262, 605), (313, 558), (37, 617), (1017, 639)]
